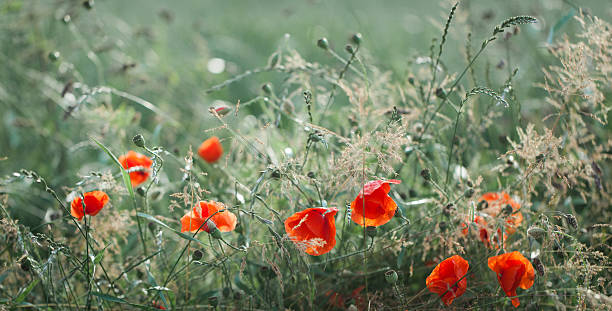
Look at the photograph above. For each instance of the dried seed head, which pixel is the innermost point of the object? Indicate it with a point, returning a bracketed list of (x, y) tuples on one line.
[(197, 255), (537, 264), (571, 221), (371, 231), (391, 277)]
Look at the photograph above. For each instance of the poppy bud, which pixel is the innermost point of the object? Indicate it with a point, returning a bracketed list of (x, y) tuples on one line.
[(273, 60), (482, 205), (536, 232), (448, 208), (222, 110), (138, 140), (349, 48), (411, 80), (469, 192), (356, 38), (440, 93), (53, 56), (323, 43), (276, 174), (371, 231), (213, 230), (66, 19), (267, 88), (571, 220), (391, 277), (213, 301), (442, 225), (140, 192), (151, 226), (311, 175), (537, 264), (88, 4), (197, 255), (426, 174), (470, 184)]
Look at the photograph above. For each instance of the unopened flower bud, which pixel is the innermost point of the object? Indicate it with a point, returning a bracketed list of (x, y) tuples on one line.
[(482, 205), (213, 230), (139, 140), (440, 93), (311, 175), (356, 38), (267, 88), (88, 4), (469, 192), (323, 43), (349, 48), (536, 232), (66, 19), (273, 60), (391, 277), (53, 56)]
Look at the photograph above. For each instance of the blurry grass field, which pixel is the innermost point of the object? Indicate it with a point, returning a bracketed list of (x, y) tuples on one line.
[(449, 104)]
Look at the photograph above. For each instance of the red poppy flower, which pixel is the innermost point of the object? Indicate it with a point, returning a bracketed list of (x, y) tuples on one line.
[(313, 229), (448, 279), (375, 201), (158, 306), (211, 150), (94, 202), (513, 270), (496, 203), (138, 165), (224, 221)]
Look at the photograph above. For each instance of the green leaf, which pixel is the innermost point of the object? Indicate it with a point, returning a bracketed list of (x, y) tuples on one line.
[(119, 300), (560, 23), (124, 173), (100, 255), (26, 291)]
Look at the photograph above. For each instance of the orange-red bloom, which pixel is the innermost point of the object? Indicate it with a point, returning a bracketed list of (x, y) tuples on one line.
[(138, 165), (513, 270), (313, 229), (94, 202), (448, 279), (375, 201), (496, 205), (211, 150), (225, 221)]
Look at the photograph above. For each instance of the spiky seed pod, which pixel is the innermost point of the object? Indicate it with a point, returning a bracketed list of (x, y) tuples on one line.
[(426, 174), (197, 255), (139, 140), (571, 221), (391, 277), (536, 232), (537, 264), (323, 43)]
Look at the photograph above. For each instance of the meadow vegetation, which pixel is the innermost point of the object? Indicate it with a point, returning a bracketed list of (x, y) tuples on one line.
[(305, 155)]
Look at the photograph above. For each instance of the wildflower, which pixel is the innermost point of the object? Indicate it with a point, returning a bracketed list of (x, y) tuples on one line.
[(313, 229), (223, 220), (373, 206), (138, 165), (513, 270), (448, 279), (211, 150), (158, 305), (94, 202), (493, 204)]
